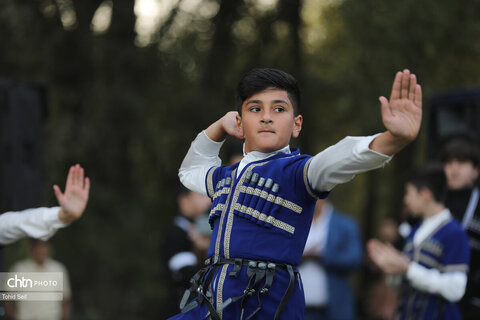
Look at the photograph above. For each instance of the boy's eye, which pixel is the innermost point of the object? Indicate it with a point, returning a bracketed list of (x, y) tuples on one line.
[(255, 109), (279, 109)]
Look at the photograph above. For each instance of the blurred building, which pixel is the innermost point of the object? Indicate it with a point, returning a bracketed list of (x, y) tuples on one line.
[(452, 114)]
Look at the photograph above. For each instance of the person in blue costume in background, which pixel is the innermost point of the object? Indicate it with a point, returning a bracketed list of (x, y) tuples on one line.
[(434, 263), (262, 207)]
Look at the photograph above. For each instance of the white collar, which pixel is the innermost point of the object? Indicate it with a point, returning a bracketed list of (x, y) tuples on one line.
[(262, 155), (429, 225), (257, 155), (438, 218)]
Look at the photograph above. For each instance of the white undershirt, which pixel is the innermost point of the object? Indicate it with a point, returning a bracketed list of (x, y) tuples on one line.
[(337, 164), (39, 223), (314, 276)]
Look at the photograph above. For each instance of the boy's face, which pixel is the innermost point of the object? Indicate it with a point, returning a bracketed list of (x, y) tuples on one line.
[(268, 122), (414, 199), (460, 174)]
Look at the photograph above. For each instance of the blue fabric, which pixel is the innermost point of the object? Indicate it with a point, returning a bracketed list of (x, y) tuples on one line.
[(342, 255), (256, 220), (446, 249)]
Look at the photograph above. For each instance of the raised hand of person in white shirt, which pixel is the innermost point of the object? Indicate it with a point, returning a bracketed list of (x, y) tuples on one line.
[(74, 200)]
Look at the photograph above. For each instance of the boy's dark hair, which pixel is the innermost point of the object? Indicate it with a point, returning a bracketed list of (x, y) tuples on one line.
[(432, 177), (258, 80), (460, 149)]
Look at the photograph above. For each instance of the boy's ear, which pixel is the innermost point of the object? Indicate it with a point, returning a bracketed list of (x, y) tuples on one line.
[(475, 173), (426, 193), (297, 126), (239, 125)]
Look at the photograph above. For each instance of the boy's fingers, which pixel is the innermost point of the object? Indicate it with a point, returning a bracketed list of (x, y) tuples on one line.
[(413, 85), (76, 176), (385, 107), (397, 85), (418, 96), (70, 176), (87, 185), (81, 173), (57, 192), (405, 84)]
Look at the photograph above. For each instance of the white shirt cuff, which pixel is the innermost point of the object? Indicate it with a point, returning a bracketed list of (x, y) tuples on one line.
[(363, 147)]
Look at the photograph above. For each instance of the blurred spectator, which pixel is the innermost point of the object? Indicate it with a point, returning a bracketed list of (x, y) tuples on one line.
[(460, 159), (332, 252), (434, 263), (40, 261), (383, 300), (184, 246)]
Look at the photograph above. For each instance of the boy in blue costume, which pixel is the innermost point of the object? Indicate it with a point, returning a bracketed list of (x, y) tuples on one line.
[(436, 254), (262, 207)]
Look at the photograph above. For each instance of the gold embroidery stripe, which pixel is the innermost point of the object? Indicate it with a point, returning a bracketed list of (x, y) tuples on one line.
[(428, 261), (217, 194), (433, 249), (305, 179), (271, 198), (210, 189), (228, 227), (220, 206), (456, 267), (263, 217), (223, 274)]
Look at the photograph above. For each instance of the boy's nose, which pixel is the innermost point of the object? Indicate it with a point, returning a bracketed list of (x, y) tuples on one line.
[(266, 117)]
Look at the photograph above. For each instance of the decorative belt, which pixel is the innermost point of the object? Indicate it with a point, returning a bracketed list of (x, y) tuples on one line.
[(256, 272)]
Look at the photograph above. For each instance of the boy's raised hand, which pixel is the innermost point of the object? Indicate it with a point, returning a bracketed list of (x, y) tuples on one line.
[(74, 201), (226, 125), (230, 124), (402, 114)]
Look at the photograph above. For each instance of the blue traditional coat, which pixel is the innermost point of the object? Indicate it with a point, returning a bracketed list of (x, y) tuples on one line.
[(445, 249), (263, 214)]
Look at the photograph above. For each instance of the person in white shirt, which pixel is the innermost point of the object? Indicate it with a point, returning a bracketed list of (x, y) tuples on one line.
[(41, 261), (436, 254), (42, 223)]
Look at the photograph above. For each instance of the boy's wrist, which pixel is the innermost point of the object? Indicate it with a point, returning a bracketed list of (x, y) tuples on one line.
[(388, 144), (216, 131)]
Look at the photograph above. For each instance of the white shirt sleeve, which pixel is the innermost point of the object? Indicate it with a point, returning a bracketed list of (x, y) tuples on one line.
[(450, 285), (202, 155), (341, 162), (40, 223)]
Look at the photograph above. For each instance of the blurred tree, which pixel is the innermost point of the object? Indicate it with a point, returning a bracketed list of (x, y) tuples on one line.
[(127, 110)]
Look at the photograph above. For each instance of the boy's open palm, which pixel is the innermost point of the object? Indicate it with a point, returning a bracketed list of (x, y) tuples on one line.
[(74, 201), (402, 114)]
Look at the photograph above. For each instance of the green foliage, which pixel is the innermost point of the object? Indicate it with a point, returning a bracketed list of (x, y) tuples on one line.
[(128, 113)]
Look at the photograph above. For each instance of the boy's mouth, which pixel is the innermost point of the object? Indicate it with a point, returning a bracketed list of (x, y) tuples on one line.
[(266, 131)]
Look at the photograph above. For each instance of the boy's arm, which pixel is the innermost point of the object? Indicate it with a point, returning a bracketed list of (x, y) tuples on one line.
[(203, 152), (352, 155), (42, 223)]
